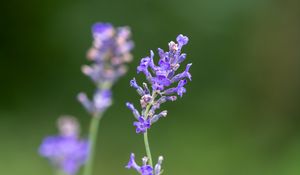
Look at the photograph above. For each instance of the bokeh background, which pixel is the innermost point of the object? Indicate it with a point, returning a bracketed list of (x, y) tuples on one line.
[(240, 115)]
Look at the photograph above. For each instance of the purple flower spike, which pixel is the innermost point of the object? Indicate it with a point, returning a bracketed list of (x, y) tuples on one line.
[(162, 77), (109, 54), (142, 125)]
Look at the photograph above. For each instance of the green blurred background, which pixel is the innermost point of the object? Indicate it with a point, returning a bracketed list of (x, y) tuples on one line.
[(240, 115)]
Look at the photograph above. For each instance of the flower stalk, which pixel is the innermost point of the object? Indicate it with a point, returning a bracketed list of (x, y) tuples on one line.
[(93, 130), (147, 146), (146, 140)]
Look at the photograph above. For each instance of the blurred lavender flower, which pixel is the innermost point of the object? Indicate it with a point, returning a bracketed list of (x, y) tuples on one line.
[(145, 169), (66, 151), (162, 78), (109, 53)]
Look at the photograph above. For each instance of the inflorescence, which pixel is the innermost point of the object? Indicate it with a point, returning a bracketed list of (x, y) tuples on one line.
[(66, 151), (161, 78), (165, 85), (109, 53)]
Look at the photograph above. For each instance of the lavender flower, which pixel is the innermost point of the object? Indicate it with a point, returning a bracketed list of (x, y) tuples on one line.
[(145, 169), (66, 151), (165, 83), (109, 53)]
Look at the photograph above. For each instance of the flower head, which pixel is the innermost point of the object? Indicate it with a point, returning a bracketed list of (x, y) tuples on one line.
[(164, 80), (65, 151), (109, 54), (164, 73)]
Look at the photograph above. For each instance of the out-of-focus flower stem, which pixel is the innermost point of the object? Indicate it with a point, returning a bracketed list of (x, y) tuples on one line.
[(94, 125)]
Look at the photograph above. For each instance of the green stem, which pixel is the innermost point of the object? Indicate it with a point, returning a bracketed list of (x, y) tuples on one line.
[(94, 125), (147, 146), (146, 141)]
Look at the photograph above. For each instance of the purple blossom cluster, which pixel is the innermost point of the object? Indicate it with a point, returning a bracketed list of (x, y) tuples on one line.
[(165, 83), (109, 54), (145, 169), (66, 151)]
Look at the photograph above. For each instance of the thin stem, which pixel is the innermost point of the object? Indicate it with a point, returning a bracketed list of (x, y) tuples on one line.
[(146, 141), (147, 146), (94, 125)]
